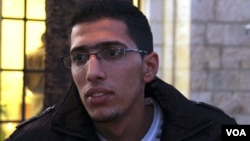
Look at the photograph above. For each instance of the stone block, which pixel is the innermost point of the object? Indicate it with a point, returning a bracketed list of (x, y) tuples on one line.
[(233, 103), (227, 34), (204, 58), (232, 10), (244, 76), (236, 57), (223, 80), (202, 10), (199, 80), (229, 80), (198, 34)]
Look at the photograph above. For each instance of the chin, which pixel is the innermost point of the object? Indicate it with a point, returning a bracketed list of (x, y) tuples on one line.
[(105, 118)]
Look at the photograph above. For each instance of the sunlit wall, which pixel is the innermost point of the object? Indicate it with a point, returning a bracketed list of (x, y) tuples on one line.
[(22, 24), (170, 23)]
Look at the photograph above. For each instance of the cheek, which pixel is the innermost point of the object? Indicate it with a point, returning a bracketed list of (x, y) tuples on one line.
[(129, 87), (79, 78), (129, 75), (75, 76), (127, 69)]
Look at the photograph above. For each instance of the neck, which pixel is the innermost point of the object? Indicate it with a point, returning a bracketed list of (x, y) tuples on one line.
[(132, 127)]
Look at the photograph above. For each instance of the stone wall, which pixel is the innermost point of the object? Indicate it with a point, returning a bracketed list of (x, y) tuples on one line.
[(220, 53)]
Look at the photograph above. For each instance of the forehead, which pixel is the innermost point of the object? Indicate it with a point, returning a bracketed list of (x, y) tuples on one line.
[(103, 23), (98, 31), (87, 35)]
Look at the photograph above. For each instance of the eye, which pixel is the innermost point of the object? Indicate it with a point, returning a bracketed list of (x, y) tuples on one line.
[(113, 52), (79, 58)]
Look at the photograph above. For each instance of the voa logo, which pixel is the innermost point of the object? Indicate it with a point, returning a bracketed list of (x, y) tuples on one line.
[(236, 132)]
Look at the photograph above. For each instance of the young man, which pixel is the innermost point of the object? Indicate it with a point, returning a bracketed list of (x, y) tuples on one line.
[(116, 95)]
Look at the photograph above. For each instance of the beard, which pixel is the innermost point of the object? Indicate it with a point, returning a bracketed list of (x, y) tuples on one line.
[(105, 117)]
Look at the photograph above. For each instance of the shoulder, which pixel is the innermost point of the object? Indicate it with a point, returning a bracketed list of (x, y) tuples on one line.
[(46, 113), (214, 113), (34, 126)]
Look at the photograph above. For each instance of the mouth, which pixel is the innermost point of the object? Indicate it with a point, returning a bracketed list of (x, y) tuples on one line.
[(98, 95)]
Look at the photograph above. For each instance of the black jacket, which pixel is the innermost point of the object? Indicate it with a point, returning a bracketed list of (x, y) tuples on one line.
[(183, 119)]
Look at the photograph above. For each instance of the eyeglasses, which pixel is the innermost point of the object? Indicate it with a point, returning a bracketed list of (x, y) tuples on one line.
[(110, 55)]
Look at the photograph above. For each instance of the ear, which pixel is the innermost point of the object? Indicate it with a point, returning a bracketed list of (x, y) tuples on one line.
[(150, 68)]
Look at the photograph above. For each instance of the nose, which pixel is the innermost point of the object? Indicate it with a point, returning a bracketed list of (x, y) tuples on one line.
[(95, 70)]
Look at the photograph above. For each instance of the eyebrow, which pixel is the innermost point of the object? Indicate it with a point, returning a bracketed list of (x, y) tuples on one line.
[(106, 44)]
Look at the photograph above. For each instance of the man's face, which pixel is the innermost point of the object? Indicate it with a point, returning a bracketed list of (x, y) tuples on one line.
[(108, 89)]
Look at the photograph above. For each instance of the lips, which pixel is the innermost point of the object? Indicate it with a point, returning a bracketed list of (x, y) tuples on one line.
[(98, 95)]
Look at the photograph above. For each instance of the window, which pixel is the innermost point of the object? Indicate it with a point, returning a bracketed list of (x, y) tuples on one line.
[(136, 3), (22, 24)]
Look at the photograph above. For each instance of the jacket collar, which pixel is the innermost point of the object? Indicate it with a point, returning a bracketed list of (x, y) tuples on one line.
[(180, 116)]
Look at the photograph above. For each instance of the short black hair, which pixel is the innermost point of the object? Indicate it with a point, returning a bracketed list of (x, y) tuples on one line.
[(137, 24)]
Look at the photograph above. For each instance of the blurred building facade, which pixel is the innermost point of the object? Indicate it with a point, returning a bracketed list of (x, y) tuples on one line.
[(209, 50), (220, 52)]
